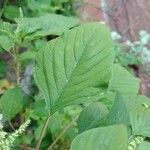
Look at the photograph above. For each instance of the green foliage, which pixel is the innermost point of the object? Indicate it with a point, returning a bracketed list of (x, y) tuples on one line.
[(124, 82), (91, 116), (62, 6), (77, 66), (7, 140), (103, 138), (6, 35), (68, 68), (11, 103), (11, 12), (132, 53), (48, 24), (2, 68), (144, 146)]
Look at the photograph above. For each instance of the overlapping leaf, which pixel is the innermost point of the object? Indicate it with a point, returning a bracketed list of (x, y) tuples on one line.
[(11, 103), (144, 146), (124, 82), (139, 117), (72, 68), (48, 24), (91, 116), (103, 138)]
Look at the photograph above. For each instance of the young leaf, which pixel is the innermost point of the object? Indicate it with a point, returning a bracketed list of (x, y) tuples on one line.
[(91, 116), (11, 103), (48, 24), (124, 82), (6, 42), (71, 68), (103, 138), (7, 39)]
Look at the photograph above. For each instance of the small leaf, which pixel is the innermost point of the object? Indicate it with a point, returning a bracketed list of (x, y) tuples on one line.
[(6, 42), (27, 55), (73, 68), (103, 138), (11, 103), (91, 116), (7, 39)]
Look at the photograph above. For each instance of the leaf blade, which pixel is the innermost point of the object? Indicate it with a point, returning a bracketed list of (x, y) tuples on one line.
[(102, 139), (11, 103), (70, 68)]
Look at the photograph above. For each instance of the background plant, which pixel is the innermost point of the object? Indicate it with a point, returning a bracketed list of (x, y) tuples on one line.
[(133, 53)]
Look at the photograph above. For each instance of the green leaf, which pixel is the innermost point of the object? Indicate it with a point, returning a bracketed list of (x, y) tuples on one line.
[(6, 42), (73, 68), (38, 6), (27, 55), (91, 116), (6, 28), (11, 12), (7, 39), (140, 120), (55, 124), (104, 138), (143, 146), (48, 24), (119, 113), (124, 82), (11, 103)]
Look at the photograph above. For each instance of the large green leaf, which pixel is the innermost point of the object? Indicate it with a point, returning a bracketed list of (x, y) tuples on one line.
[(91, 116), (104, 138), (124, 82), (48, 24), (11, 103), (70, 69)]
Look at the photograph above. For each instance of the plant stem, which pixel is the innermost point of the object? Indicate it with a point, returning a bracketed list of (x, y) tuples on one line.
[(42, 133), (18, 72), (62, 133), (17, 65)]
